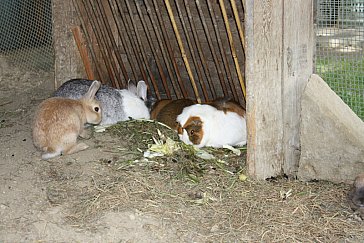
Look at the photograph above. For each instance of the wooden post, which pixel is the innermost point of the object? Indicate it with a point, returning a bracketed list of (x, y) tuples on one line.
[(279, 61), (67, 63)]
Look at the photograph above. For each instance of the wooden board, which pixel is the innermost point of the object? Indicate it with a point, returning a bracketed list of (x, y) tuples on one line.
[(67, 63), (298, 44), (278, 64)]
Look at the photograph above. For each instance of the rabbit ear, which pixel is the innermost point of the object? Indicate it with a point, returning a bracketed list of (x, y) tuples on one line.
[(142, 90), (131, 87), (92, 90)]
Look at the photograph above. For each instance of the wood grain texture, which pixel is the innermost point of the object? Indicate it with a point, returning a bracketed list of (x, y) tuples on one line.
[(278, 63), (67, 63), (297, 68), (264, 83)]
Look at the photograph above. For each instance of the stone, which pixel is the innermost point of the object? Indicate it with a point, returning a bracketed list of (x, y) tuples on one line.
[(332, 136)]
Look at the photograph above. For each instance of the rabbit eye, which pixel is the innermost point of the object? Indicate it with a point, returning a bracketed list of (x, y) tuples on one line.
[(192, 132), (97, 109)]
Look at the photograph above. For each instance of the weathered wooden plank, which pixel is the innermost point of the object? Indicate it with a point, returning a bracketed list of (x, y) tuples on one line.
[(279, 40), (264, 33), (298, 49), (67, 63)]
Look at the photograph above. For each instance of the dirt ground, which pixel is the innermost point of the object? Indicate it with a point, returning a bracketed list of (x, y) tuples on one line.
[(32, 204), (104, 195)]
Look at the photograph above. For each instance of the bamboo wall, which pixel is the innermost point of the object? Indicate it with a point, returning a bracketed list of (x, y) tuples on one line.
[(180, 48)]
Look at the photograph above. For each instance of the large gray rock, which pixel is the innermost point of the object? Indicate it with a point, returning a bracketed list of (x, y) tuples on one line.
[(332, 136)]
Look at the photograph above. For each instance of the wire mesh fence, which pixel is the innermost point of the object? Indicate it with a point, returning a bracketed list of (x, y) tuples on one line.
[(26, 33), (339, 49)]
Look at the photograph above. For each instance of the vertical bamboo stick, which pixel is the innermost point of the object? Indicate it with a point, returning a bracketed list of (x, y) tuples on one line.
[(134, 48), (122, 39), (154, 50), (232, 47), (88, 38), (80, 42), (183, 53), (98, 38), (192, 52), (98, 20), (199, 49), (142, 53), (112, 45), (238, 24), (222, 51), (212, 49), (169, 48), (103, 36), (106, 11), (163, 51)]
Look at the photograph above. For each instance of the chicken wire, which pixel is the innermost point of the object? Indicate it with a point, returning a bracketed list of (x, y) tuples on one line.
[(26, 33), (339, 49)]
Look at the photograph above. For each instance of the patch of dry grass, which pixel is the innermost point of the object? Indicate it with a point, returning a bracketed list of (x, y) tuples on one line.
[(208, 200)]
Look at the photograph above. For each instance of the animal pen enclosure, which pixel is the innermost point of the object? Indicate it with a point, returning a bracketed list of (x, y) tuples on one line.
[(197, 49), (111, 193), (193, 49)]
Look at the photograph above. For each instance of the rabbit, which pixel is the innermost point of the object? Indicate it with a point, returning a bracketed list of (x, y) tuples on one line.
[(204, 125), (166, 111), (59, 121), (356, 195), (117, 104)]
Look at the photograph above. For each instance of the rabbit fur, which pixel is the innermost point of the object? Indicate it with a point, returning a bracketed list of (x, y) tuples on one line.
[(117, 104), (59, 121)]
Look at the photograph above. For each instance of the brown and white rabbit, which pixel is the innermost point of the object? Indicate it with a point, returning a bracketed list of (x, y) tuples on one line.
[(204, 125), (59, 121), (166, 111)]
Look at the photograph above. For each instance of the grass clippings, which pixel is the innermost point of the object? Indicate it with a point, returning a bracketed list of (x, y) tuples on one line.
[(213, 200), (184, 162)]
